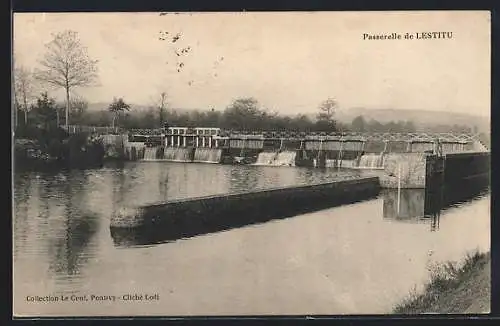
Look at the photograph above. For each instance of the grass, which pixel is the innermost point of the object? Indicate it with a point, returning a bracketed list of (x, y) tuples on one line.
[(453, 288)]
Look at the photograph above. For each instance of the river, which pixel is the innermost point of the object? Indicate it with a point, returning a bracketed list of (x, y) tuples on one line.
[(354, 259)]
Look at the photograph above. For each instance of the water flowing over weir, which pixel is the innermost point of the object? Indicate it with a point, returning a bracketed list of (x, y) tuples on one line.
[(208, 155), (282, 158), (150, 153), (371, 161), (177, 154)]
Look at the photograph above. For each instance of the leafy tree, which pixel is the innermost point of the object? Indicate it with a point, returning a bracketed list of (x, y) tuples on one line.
[(325, 117), (45, 110), (358, 124), (116, 107), (410, 126), (242, 114), (66, 64)]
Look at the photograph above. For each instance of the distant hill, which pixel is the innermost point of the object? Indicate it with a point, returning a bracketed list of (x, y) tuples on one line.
[(419, 117)]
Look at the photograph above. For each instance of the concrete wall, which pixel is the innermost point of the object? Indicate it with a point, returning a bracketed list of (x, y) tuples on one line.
[(374, 146), (189, 217), (469, 171), (412, 170), (458, 168), (455, 178)]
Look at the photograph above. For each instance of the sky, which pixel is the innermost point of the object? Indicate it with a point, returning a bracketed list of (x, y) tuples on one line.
[(290, 62)]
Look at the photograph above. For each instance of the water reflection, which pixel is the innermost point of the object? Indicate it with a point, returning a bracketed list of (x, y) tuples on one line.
[(74, 223), (53, 219), (241, 176), (324, 262), (409, 205), (422, 206)]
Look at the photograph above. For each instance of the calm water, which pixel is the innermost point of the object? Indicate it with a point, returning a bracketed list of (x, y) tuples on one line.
[(358, 258)]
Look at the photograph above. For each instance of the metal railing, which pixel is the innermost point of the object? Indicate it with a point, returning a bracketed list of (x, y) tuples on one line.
[(76, 129), (245, 134)]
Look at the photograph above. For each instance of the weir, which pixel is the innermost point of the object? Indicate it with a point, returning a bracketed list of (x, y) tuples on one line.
[(178, 154), (150, 154), (207, 155), (371, 161), (185, 218), (278, 158), (399, 160)]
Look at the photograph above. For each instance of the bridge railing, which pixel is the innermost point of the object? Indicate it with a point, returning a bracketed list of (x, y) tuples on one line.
[(363, 136), (76, 129)]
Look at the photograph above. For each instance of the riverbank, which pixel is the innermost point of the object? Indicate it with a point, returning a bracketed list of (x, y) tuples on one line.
[(37, 148), (453, 288)]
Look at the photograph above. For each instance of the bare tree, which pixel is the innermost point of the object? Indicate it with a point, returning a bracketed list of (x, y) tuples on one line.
[(15, 104), (327, 109), (66, 64), (161, 103), (23, 90)]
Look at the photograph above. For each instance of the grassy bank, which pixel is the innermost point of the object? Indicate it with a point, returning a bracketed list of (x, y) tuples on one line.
[(454, 288)]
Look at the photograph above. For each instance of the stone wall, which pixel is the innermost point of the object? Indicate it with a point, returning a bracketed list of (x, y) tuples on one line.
[(181, 218)]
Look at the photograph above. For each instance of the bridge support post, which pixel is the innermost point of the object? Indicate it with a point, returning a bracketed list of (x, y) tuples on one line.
[(197, 141), (340, 154), (184, 141), (386, 146), (408, 146), (203, 141), (242, 152)]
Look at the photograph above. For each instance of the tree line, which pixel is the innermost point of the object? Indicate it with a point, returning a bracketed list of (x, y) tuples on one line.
[(241, 114)]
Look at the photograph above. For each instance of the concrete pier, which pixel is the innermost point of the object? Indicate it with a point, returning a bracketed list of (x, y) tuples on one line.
[(189, 217)]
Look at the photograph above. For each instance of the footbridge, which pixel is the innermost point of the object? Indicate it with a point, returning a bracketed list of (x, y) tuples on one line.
[(404, 160), (208, 137)]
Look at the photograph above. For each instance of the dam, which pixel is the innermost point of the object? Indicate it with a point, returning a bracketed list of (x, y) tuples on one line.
[(398, 159)]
